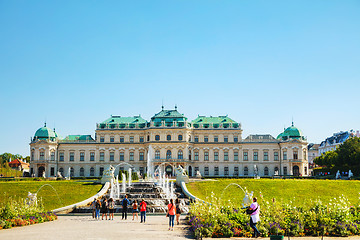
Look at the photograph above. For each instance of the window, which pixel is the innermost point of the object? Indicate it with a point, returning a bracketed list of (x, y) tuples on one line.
[(226, 156), (236, 156), (206, 139), (111, 139), (92, 156), (196, 156), (61, 157), (226, 171), (180, 154), (226, 139), (92, 172), (304, 152), (206, 171), (196, 169), (285, 170), (276, 156), (71, 159), (52, 156), (266, 171), (131, 139), (131, 156), (206, 156), (196, 139), (255, 156), (216, 139), (157, 154), (168, 154), (102, 139), (216, 171), (180, 137), (121, 139), (246, 156), (141, 169), (82, 156), (81, 172), (216, 156), (102, 154), (42, 155), (101, 171), (141, 139), (246, 171), (71, 172), (236, 171), (157, 137), (141, 156), (112, 156), (189, 154), (266, 156), (148, 138), (285, 155), (295, 155), (32, 156), (236, 139), (276, 171), (52, 171), (168, 137), (61, 170), (305, 170)]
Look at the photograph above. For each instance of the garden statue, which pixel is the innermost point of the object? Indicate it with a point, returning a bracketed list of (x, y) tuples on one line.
[(43, 174), (350, 174), (59, 175), (181, 176), (31, 199), (108, 175), (247, 199), (198, 174), (338, 175)]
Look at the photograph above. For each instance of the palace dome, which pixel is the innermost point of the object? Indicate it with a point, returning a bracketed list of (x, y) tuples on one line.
[(291, 132), (44, 133)]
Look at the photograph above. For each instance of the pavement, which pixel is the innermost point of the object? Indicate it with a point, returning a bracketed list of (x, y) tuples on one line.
[(81, 226)]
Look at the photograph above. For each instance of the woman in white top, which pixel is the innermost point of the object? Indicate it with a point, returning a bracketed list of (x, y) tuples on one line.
[(255, 216)]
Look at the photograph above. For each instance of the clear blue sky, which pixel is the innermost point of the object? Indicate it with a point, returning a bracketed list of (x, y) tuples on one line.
[(74, 63)]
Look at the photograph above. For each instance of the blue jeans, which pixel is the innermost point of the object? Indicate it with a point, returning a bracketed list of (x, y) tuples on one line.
[(143, 216), (97, 213), (253, 225), (171, 220)]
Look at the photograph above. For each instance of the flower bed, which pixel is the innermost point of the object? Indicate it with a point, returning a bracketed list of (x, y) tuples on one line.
[(224, 219)]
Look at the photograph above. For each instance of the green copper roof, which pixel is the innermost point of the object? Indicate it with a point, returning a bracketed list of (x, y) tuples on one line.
[(44, 132), (169, 116), (219, 119), (79, 138), (291, 132), (120, 120)]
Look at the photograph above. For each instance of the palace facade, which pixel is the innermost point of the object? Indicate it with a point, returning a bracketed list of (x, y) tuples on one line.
[(214, 146)]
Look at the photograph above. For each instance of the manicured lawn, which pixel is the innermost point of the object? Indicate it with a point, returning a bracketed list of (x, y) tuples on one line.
[(300, 191), (69, 192)]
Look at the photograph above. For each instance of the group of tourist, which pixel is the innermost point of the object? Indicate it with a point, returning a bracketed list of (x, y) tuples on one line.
[(107, 208)]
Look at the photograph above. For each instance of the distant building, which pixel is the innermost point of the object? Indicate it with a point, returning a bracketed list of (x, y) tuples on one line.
[(331, 143), (313, 152), (19, 165)]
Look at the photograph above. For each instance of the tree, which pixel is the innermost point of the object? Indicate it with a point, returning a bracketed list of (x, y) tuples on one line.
[(349, 152)]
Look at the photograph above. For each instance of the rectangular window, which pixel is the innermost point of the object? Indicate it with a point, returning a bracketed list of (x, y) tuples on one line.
[(226, 156), (276, 156), (246, 156), (285, 155), (122, 158), (111, 139), (206, 139), (52, 171), (226, 139), (61, 157), (42, 156), (196, 156), (216, 139), (131, 156), (102, 139), (216, 171), (206, 156), (256, 156), (236, 156), (295, 155), (131, 139), (52, 156), (141, 170), (216, 156), (92, 156), (196, 169), (102, 156), (141, 139), (101, 171), (206, 171), (226, 171), (285, 170), (236, 139), (266, 156), (82, 156), (121, 139), (236, 171), (71, 159), (112, 154), (141, 156), (196, 139)]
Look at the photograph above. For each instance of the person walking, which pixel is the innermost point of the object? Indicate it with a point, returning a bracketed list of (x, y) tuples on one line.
[(171, 214), (97, 209), (93, 208), (143, 211), (178, 210), (104, 209), (111, 208), (135, 210), (125, 202), (255, 216)]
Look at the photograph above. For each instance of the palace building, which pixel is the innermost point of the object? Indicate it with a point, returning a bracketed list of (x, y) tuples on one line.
[(214, 146)]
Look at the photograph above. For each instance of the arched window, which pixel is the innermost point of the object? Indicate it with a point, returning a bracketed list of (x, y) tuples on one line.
[(157, 154), (168, 137), (189, 154), (168, 154), (157, 137), (246, 171), (266, 171), (61, 171), (92, 172), (180, 137), (81, 172), (180, 154), (71, 172)]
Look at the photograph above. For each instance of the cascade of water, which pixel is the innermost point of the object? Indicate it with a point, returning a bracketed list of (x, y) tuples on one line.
[(130, 177), (112, 188), (149, 164), (123, 186), (68, 176), (172, 190), (160, 180), (117, 187)]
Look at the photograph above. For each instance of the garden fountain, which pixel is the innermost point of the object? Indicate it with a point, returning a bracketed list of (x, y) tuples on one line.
[(32, 197)]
